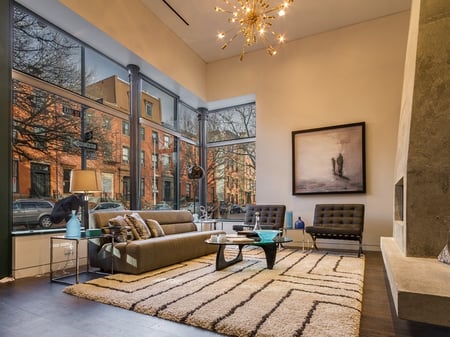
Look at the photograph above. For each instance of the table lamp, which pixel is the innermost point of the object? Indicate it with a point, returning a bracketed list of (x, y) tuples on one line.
[(85, 181)]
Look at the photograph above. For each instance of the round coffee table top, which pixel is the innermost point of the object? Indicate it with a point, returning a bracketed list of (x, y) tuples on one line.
[(233, 240)]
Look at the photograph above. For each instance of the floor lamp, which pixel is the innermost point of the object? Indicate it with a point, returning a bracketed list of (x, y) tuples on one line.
[(85, 181)]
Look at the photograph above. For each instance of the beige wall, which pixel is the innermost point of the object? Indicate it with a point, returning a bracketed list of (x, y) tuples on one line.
[(31, 255), (348, 75)]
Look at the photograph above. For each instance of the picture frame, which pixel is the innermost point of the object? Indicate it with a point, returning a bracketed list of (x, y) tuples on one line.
[(329, 160)]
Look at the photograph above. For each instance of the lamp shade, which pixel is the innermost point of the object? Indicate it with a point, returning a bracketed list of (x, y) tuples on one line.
[(85, 181)]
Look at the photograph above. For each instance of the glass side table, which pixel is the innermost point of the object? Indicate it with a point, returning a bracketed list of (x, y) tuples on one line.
[(76, 248), (210, 223)]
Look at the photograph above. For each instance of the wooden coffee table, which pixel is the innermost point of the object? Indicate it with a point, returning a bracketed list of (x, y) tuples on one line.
[(269, 247)]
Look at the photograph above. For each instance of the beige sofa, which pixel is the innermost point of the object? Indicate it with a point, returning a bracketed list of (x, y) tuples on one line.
[(181, 241)]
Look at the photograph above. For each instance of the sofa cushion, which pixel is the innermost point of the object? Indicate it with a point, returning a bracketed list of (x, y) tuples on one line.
[(177, 228), (135, 221), (121, 230), (163, 217), (155, 228)]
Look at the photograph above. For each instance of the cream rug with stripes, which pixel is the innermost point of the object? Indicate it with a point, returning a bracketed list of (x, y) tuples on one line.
[(309, 294)]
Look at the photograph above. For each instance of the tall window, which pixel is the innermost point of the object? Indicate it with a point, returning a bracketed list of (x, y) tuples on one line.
[(50, 128), (149, 109), (142, 158), (125, 154), (125, 128), (107, 152), (232, 164), (107, 123), (15, 177), (166, 142), (66, 181)]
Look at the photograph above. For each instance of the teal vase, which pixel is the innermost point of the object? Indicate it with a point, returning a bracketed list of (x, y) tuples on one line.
[(289, 219), (73, 227)]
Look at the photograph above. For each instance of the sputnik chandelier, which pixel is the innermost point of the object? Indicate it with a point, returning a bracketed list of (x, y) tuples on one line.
[(253, 19)]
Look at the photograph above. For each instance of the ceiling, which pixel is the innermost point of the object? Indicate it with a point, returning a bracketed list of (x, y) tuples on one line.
[(303, 18)]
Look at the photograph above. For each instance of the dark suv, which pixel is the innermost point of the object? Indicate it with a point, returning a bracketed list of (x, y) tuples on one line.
[(32, 212)]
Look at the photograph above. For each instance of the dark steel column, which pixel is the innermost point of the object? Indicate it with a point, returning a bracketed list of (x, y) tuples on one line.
[(83, 124), (5, 138), (203, 182), (135, 148)]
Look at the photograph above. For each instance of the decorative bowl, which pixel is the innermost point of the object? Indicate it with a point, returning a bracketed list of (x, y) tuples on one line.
[(267, 234)]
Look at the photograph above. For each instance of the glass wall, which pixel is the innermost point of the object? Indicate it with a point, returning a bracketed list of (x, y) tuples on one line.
[(159, 105), (71, 110), (231, 160), (48, 136), (44, 52)]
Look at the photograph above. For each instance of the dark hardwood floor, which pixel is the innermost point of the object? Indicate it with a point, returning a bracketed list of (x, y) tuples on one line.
[(37, 307)]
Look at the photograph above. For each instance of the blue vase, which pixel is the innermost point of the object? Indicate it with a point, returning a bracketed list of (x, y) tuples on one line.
[(299, 224), (73, 227)]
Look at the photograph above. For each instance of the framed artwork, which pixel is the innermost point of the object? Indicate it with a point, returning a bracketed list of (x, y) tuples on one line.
[(329, 160)]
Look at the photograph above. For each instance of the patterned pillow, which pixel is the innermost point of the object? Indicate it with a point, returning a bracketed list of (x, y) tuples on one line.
[(155, 228), (138, 224), (121, 229)]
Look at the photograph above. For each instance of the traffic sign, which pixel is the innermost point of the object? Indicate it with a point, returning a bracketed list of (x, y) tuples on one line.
[(86, 145)]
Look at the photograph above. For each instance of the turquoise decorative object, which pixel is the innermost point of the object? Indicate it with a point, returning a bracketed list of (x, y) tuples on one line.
[(73, 227), (267, 234), (289, 220)]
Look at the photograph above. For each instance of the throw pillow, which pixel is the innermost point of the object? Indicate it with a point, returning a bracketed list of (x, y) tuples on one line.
[(155, 228), (119, 228), (136, 222)]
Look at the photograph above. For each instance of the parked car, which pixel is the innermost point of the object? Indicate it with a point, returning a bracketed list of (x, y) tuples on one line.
[(192, 207), (108, 206), (32, 212), (236, 209), (162, 206)]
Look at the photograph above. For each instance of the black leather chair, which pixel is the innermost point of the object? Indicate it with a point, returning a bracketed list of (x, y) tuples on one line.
[(270, 217), (338, 222)]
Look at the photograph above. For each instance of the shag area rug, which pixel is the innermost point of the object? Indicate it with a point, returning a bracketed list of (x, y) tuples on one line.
[(307, 294)]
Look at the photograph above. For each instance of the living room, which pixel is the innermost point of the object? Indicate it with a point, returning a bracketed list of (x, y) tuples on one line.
[(347, 75)]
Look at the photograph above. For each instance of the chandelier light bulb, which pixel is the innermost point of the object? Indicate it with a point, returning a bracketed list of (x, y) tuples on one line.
[(271, 51), (252, 19)]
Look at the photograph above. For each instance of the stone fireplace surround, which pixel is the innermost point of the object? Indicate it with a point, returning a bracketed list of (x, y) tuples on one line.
[(419, 282)]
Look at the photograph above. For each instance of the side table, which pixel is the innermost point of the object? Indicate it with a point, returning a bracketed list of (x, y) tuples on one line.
[(304, 236), (211, 222), (76, 241)]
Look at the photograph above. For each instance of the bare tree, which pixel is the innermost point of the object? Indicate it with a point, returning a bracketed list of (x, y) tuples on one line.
[(45, 124), (45, 52)]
